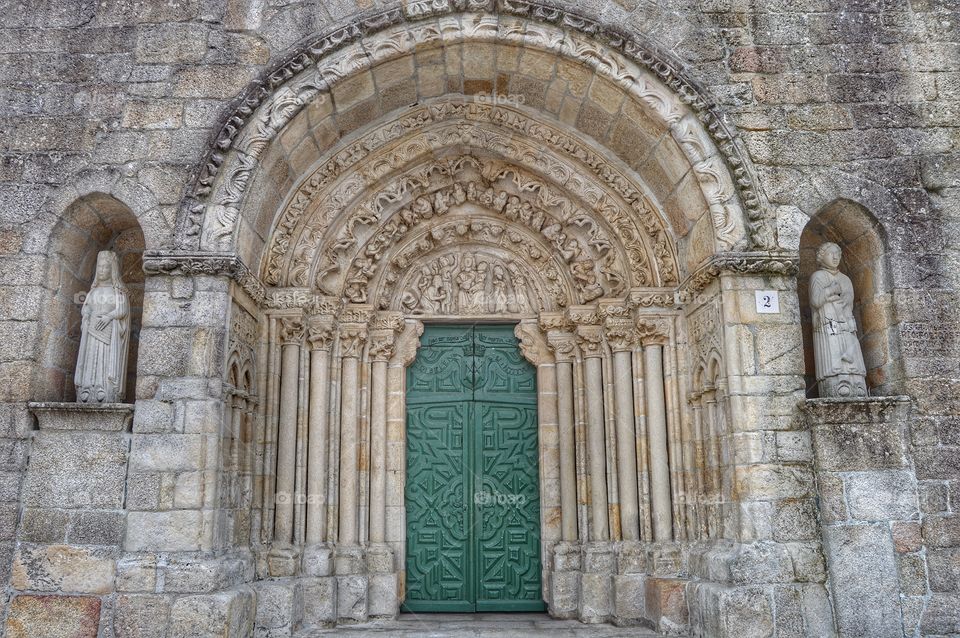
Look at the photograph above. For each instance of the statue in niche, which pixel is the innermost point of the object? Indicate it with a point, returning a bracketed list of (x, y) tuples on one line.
[(836, 351), (104, 335)]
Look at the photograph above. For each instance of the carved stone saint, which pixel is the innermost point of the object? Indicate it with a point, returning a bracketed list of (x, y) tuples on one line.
[(104, 336), (836, 351)]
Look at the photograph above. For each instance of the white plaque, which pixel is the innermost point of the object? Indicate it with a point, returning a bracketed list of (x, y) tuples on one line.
[(768, 302)]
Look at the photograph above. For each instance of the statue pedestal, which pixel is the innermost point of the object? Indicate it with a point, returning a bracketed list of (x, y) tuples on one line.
[(867, 487), (95, 417)]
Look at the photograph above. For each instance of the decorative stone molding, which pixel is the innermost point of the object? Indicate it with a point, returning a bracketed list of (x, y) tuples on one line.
[(752, 263), (385, 327), (275, 99), (104, 417), (187, 264)]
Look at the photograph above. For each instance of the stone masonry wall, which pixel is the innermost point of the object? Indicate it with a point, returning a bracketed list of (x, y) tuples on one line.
[(855, 99)]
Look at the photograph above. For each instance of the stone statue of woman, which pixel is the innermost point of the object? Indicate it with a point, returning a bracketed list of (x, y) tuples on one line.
[(104, 336), (836, 350)]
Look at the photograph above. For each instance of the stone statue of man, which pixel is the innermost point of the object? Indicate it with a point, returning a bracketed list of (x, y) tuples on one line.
[(836, 350), (104, 336)]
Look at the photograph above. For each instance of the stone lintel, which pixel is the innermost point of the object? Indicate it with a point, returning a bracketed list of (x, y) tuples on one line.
[(99, 417)]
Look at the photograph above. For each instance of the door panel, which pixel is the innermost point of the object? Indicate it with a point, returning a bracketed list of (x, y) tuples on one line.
[(472, 497)]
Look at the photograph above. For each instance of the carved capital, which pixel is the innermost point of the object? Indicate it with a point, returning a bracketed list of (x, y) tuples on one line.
[(583, 315), (533, 344), (408, 342), (554, 321), (356, 313), (563, 344), (611, 308), (653, 331), (352, 338), (387, 320), (320, 332), (590, 340), (620, 333), (382, 344), (291, 331)]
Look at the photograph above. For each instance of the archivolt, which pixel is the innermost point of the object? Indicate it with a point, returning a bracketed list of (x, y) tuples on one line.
[(212, 217)]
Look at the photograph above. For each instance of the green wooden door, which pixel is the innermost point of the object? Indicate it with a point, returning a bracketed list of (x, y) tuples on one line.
[(472, 496)]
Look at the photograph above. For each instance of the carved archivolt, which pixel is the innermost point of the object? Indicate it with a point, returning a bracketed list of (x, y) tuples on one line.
[(574, 193), (726, 183)]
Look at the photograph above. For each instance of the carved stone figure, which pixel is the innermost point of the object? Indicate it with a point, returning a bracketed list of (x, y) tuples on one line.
[(836, 351), (498, 286), (104, 336)]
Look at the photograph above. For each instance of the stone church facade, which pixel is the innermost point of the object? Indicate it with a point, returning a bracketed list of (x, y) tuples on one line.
[(468, 305)]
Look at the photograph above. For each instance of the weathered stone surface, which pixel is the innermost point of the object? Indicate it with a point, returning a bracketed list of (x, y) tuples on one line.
[(226, 614), (63, 568), (76, 470), (881, 496), (141, 616), (864, 579), (53, 616)]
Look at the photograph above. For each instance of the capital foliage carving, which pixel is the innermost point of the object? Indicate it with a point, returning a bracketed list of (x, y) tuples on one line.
[(563, 344), (620, 333), (590, 340), (653, 331), (291, 331)]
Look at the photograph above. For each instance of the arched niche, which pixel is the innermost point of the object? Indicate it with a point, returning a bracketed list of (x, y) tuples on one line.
[(92, 223), (861, 238)]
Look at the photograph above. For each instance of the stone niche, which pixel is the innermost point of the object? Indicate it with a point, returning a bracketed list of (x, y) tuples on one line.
[(73, 520)]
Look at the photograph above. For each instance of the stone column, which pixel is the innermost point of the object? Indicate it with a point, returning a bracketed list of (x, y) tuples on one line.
[(350, 567), (290, 337), (564, 349), (620, 334), (383, 584), (352, 338), (564, 595), (653, 339), (382, 339), (320, 335), (590, 340)]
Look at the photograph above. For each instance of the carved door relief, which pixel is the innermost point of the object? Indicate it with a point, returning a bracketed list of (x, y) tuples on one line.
[(472, 488)]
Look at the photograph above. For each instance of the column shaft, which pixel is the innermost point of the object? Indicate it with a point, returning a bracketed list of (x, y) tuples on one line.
[(317, 437), (378, 452), (568, 451), (593, 370), (626, 446), (657, 432), (349, 445), (287, 442)]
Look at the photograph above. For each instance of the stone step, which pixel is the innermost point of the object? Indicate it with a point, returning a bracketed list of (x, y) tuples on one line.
[(482, 625)]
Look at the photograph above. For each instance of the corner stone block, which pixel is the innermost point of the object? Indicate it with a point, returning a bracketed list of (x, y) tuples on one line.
[(666, 604), (864, 580), (227, 614), (279, 606), (53, 617)]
